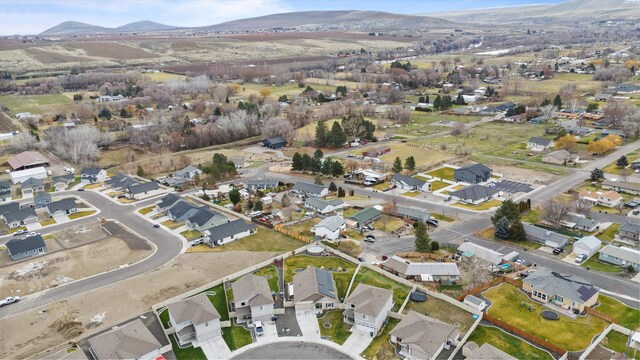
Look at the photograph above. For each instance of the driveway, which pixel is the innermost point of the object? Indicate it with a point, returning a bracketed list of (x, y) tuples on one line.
[(270, 333), (308, 323), (33, 226), (356, 343), (61, 219), (215, 348)]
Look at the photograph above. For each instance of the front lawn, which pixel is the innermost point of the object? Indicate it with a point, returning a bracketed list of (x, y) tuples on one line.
[(609, 233), (531, 216), (510, 344), (626, 316), (442, 217), (164, 318), (49, 221), (271, 274), (412, 193), (342, 278), (617, 342), (388, 223), (189, 353), (171, 224), (263, 240), (572, 335), (594, 264), (482, 206), (353, 234), (370, 277), (145, 211), (380, 348), (443, 311), (236, 336), (338, 331), (437, 185), (80, 214), (443, 173), (191, 234)]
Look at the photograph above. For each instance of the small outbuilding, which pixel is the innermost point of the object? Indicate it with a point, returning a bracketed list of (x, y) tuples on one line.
[(588, 245)]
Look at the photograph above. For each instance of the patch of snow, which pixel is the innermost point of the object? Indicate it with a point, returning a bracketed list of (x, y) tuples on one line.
[(97, 318), (33, 266), (61, 279)]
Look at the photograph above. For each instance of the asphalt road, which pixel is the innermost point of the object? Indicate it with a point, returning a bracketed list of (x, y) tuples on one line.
[(167, 246)]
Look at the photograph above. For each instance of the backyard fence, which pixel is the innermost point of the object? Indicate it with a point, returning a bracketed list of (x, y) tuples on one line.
[(430, 256), (280, 228), (524, 334), (478, 289), (601, 315)]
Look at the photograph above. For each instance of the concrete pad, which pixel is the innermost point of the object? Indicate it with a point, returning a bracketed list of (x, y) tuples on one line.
[(34, 226), (547, 249), (357, 342), (61, 219), (270, 333), (571, 259), (181, 229), (308, 323), (215, 348)]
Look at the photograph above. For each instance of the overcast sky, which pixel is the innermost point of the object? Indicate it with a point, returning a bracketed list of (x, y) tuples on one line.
[(35, 16)]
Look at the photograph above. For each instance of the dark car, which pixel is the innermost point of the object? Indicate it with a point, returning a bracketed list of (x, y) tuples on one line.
[(557, 251), (81, 189), (156, 226), (524, 274), (432, 222)]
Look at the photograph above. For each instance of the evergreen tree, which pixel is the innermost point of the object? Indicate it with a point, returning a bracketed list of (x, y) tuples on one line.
[(446, 103), (283, 99), (410, 163), (341, 192), (592, 107), (597, 174), (321, 134), (318, 153), (234, 196), (140, 171), (318, 179), (333, 187), (435, 246), (622, 162), (296, 163), (517, 232), (397, 165), (437, 103), (422, 237), (507, 209), (258, 206), (502, 229), (337, 138), (337, 169), (316, 165), (557, 102), (460, 100), (306, 162), (326, 166)]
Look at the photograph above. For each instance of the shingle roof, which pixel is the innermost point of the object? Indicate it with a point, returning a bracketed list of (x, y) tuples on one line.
[(410, 268), (332, 223), (144, 187), (67, 178), (27, 158), (309, 187), (560, 155), (275, 140), (228, 229), (412, 212), (180, 208), (624, 253), (630, 227), (20, 215), (411, 181), (91, 171), (488, 351), (19, 246), (369, 300), (186, 170), (424, 332), (168, 200), (313, 281), (5, 184), (31, 183), (366, 214), (10, 207), (203, 215), (130, 341), (63, 204), (568, 286), (253, 288), (539, 141), (320, 204), (478, 169), (591, 242), (41, 196), (197, 309), (542, 233), (481, 252), (268, 183), (474, 192)]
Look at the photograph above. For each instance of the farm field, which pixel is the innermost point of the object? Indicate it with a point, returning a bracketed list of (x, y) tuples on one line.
[(112, 50), (49, 57), (35, 104)]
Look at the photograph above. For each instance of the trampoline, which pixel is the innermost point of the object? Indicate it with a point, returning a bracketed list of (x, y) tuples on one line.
[(550, 315), (418, 296)]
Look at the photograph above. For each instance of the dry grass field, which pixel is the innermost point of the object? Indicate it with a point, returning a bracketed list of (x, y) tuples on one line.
[(112, 50), (48, 57)]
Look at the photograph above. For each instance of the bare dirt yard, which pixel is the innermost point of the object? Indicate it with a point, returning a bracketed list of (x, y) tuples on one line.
[(32, 332)]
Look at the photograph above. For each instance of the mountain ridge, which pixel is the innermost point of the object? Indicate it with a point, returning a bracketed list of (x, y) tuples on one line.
[(77, 27)]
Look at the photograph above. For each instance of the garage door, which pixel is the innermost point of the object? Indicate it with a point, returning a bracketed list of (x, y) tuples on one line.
[(365, 327)]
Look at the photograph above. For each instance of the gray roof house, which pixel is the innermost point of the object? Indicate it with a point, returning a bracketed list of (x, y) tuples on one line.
[(472, 174), (9, 207), (275, 142), (261, 184), (62, 207), (5, 190), (205, 218), (579, 222), (569, 291), (130, 341), (252, 299), (330, 227), (421, 337), (474, 194), (139, 191), (188, 172), (620, 256), (181, 210), (32, 185), (41, 199), (412, 213), (486, 351), (121, 181), (20, 217), (587, 245), (167, 201), (364, 217), (629, 231), (422, 271), (410, 183), (539, 144), (194, 319), (544, 236), (61, 182), (323, 206), (314, 290), (229, 231), (92, 175), (367, 307), (560, 157), (311, 189), (470, 249), (23, 248)]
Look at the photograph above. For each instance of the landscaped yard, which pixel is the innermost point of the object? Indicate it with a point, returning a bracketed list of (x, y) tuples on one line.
[(304, 227), (388, 223), (145, 211), (219, 301), (263, 240), (412, 193), (80, 214), (338, 331), (609, 233), (171, 224), (342, 278), (380, 348), (613, 169), (510, 344), (482, 206), (443, 173), (370, 277), (626, 316), (572, 335), (236, 336), (443, 311), (353, 234), (594, 264), (189, 353), (618, 342), (531, 216), (437, 185), (49, 221), (191, 234), (271, 274), (348, 212)]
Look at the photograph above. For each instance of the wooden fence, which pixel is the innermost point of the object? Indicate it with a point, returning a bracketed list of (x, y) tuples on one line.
[(478, 289), (419, 255), (534, 339), (601, 315), (280, 228)]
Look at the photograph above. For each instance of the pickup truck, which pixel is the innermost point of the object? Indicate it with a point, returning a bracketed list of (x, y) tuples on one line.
[(10, 300)]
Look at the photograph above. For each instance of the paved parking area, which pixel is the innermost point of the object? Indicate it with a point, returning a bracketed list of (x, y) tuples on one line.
[(308, 323), (357, 342), (512, 187), (287, 324), (215, 348), (270, 333)]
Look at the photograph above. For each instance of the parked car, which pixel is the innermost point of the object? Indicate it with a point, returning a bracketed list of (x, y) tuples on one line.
[(581, 258), (197, 242), (557, 251), (519, 261), (33, 233), (20, 232), (258, 328), (432, 222), (10, 300), (524, 274), (81, 189), (156, 225), (385, 258), (371, 227)]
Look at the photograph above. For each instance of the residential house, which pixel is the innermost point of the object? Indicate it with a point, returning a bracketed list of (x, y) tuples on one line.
[(588, 197), (587, 245), (238, 161), (422, 271), (121, 181), (181, 210), (62, 207), (602, 96), (92, 175), (330, 228), (262, 184), (560, 157), (578, 130), (568, 291), (621, 186), (60, 183), (540, 144), (252, 299), (367, 308), (143, 190), (5, 191), (625, 88), (188, 172), (370, 176), (19, 249), (635, 164), (27, 160), (323, 206), (277, 142), (194, 320), (18, 177), (575, 221), (421, 337), (629, 231), (130, 341), (413, 214), (314, 290), (8, 207), (486, 351), (309, 189), (18, 217), (167, 201), (620, 256), (228, 232), (410, 183), (472, 174), (610, 199), (545, 237), (205, 218), (474, 194), (41, 200), (32, 186), (377, 151), (469, 249), (364, 217)]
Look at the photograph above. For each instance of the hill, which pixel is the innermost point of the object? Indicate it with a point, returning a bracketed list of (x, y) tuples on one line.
[(145, 25), (567, 12), (76, 28)]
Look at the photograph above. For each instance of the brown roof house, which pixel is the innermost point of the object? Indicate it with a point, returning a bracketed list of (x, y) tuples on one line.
[(194, 320), (367, 308), (252, 299), (421, 337), (314, 289), (27, 160), (130, 341), (560, 157)]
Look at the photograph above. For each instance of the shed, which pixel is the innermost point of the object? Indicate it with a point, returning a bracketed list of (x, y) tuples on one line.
[(475, 302), (277, 142), (588, 245)]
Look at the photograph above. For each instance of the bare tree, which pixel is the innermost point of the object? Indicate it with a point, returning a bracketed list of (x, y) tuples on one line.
[(278, 127), (78, 145), (555, 210), (459, 129), (25, 141)]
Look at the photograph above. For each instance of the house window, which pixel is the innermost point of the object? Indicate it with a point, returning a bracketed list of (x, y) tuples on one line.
[(364, 316), (330, 305), (260, 307), (353, 306), (318, 305), (242, 303), (559, 298)]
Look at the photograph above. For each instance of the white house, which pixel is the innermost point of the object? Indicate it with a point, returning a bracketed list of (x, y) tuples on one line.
[(20, 176), (367, 308), (143, 191), (410, 183), (314, 290), (330, 228), (539, 144), (620, 256), (188, 172), (323, 206), (475, 302), (588, 245), (421, 337), (310, 189), (610, 199), (194, 319), (252, 300), (92, 175), (267, 200)]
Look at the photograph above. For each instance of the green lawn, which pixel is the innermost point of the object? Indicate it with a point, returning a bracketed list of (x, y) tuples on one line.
[(338, 332), (191, 234), (618, 342), (612, 168), (443, 173), (50, 221), (171, 224), (349, 212), (304, 227), (412, 193), (482, 206), (370, 277), (626, 316), (341, 278), (145, 211), (609, 233), (510, 344), (164, 318), (263, 240), (388, 223), (219, 301), (380, 348), (442, 217), (437, 185), (572, 335), (189, 353), (443, 311), (236, 336), (595, 264), (34, 104), (353, 234), (271, 274), (531, 216), (80, 214)]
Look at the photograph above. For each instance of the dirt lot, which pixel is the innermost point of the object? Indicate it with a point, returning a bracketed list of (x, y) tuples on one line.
[(40, 329)]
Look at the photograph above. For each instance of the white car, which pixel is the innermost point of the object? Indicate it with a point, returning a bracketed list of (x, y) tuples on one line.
[(258, 328), (9, 300), (33, 233)]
